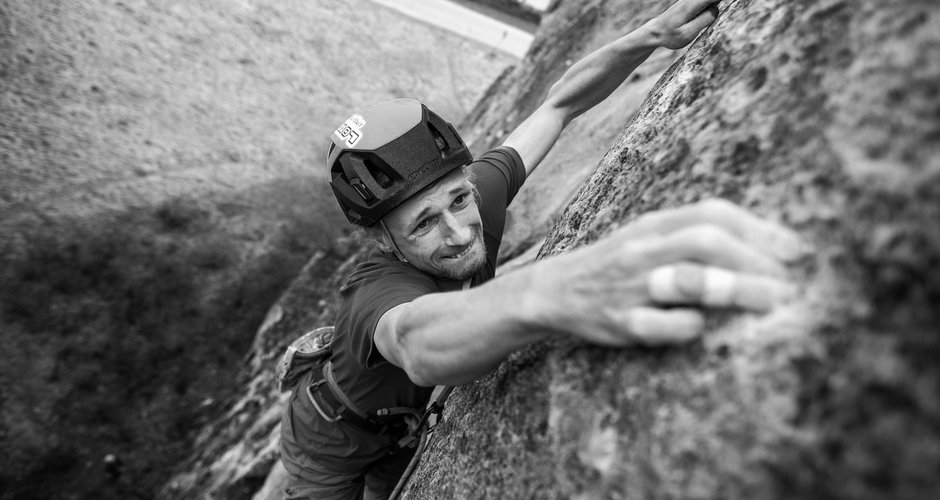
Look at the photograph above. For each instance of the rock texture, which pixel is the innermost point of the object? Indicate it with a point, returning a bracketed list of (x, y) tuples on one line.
[(824, 115)]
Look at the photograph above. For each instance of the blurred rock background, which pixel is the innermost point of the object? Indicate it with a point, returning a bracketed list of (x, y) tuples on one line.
[(160, 185)]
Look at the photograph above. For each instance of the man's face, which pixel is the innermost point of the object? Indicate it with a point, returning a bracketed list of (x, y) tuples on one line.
[(439, 230)]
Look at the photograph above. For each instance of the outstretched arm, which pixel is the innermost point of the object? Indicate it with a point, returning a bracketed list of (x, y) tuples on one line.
[(644, 284), (593, 78)]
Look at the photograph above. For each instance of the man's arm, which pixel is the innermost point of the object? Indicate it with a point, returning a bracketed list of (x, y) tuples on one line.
[(595, 77), (644, 284)]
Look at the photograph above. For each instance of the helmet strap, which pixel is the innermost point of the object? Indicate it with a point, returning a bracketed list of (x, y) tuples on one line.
[(391, 241)]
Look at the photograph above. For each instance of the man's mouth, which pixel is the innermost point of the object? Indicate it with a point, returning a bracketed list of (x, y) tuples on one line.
[(462, 253)]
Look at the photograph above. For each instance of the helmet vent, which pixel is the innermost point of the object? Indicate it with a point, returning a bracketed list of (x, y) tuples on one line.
[(439, 140), (363, 191), (378, 174)]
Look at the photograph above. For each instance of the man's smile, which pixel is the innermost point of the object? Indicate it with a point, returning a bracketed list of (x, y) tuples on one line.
[(462, 253)]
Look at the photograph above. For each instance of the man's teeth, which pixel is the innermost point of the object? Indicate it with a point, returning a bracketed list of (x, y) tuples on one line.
[(461, 254)]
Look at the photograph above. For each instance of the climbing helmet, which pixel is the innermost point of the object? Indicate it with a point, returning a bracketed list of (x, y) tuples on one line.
[(384, 154)]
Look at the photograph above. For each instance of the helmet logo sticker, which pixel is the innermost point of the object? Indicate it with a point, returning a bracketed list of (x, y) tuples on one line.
[(351, 131)]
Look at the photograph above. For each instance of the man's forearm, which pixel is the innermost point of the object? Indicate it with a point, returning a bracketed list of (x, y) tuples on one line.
[(593, 78), (586, 83), (454, 338)]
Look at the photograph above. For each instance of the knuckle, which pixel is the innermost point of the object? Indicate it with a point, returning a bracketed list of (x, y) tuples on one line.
[(706, 236), (638, 251), (717, 208), (632, 323), (650, 219), (690, 280), (639, 328)]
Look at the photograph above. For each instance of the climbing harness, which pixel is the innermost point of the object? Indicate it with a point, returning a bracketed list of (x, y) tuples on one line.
[(311, 351), (333, 405), (309, 356), (329, 400)]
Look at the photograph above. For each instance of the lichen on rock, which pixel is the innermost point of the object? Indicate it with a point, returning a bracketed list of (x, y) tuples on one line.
[(821, 115)]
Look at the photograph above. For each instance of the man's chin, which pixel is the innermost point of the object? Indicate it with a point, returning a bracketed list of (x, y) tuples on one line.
[(473, 268), (468, 266)]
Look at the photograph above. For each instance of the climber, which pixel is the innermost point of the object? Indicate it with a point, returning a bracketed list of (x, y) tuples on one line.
[(424, 309)]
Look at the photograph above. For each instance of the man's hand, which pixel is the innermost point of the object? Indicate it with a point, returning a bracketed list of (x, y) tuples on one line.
[(649, 282), (592, 79), (682, 22)]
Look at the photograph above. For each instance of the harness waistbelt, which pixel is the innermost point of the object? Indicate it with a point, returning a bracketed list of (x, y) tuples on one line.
[(333, 405), (327, 400)]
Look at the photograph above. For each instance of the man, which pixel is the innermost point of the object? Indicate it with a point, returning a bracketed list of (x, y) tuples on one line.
[(425, 311)]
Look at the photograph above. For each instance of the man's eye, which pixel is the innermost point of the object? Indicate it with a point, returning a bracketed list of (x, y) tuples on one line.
[(423, 225), (460, 200)]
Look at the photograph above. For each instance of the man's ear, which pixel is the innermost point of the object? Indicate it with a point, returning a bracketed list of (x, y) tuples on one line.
[(388, 245), (383, 244)]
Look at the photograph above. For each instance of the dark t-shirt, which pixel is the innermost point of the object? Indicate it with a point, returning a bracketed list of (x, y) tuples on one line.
[(383, 282), (310, 446)]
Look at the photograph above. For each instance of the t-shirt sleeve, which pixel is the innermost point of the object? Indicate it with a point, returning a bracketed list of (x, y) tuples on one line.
[(371, 299), (498, 175), (503, 188)]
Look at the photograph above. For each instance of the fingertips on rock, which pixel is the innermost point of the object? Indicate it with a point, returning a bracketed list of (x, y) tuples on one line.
[(652, 327), (713, 9), (782, 243), (758, 293)]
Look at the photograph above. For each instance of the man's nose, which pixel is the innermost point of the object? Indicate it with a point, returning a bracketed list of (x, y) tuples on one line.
[(458, 232)]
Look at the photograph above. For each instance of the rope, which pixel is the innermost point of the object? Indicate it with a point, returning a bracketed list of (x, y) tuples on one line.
[(411, 465), (437, 407)]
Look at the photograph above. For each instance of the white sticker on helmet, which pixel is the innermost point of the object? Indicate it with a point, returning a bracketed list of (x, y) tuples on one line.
[(351, 131)]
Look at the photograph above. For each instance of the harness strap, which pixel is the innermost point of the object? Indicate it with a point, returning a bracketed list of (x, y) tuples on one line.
[(329, 400), (335, 399)]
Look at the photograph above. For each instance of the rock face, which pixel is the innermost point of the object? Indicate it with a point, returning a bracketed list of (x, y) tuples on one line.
[(569, 31), (235, 452), (826, 116)]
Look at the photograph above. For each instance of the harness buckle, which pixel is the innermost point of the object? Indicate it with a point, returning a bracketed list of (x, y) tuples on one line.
[(313, 401)]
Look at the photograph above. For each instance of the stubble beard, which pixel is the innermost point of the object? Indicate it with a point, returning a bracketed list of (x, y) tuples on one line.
[(472, 266)]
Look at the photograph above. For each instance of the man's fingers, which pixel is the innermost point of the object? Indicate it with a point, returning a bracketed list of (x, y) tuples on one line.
[(766, 236), (713, 245), (690, 8), (652, 327), (689, 283), (702, 21)]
